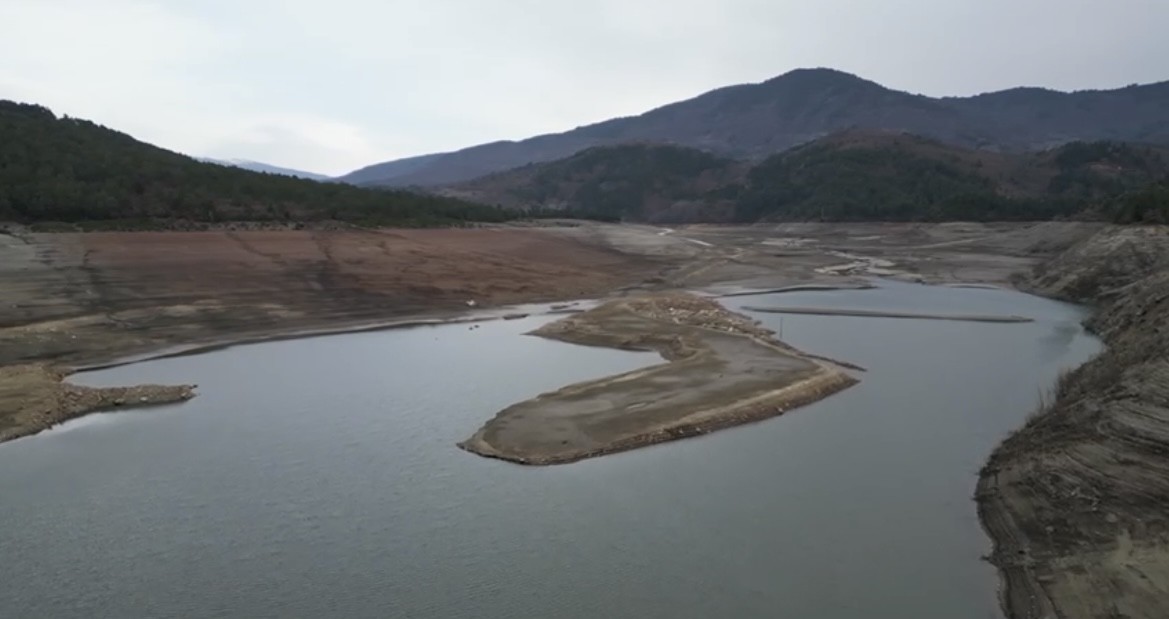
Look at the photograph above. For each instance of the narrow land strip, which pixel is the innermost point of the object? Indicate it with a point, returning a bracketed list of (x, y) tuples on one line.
[(722, 369), (828, 311), (35, 397)]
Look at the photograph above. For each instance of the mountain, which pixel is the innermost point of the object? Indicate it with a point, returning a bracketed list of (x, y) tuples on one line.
[(69, 170), (650, 182), (257, 166), (852, 175), (381, 173), (752, 121)]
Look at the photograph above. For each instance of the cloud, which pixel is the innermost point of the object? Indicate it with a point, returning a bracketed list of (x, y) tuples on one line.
[(322, 143), (330, 86)]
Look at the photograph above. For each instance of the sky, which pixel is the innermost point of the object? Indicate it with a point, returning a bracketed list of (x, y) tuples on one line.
[(330, 86)]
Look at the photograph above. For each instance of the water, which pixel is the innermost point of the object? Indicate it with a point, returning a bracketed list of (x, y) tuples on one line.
[(319, 478)]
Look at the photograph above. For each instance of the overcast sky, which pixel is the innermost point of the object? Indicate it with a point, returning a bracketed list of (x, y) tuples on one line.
[(332, 85)]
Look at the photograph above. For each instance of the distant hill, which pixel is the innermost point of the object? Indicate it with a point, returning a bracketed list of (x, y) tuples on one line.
[(853, 175), (257, 166), (70, 170), (753, 121), (388, 173), (649, 182)]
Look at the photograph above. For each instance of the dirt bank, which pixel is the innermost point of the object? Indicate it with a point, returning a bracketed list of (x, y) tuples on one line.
[(1076, 500), (723, 369), (72, 297), (34, 397)]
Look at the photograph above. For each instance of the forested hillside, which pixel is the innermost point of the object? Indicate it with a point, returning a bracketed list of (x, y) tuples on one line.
[(854, 175), (70, 170), (634, 181), (752, 121), (67, 170)]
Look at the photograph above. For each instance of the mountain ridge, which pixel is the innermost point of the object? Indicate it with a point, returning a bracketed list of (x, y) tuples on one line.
[(849, 175), (267, 168), (752, 121)]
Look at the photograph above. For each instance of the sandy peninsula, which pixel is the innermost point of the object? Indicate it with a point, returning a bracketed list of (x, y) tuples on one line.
[(722, 369)]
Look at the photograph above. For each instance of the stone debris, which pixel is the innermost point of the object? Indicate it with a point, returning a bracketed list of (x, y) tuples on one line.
[(696, 312)]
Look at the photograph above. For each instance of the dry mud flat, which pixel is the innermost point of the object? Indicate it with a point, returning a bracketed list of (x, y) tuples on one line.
[(722, 370)]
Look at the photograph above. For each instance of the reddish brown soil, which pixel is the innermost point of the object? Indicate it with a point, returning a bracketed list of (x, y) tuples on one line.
[(493, 266), (74, 296)]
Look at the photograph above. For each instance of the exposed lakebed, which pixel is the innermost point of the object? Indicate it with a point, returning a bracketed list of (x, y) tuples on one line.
[(319, 477)]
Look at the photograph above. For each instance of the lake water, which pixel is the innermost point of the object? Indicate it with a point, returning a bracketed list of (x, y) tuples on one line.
[(319, 478)]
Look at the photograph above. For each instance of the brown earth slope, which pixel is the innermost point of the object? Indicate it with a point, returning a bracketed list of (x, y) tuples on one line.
[(1076, 501), (141, 289)]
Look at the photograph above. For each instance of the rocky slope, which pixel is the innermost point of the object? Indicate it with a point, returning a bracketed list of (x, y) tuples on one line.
[(756, 120), (1075, 501)]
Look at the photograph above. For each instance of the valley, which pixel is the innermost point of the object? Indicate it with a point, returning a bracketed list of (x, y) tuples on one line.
[(655, 261), (79, 300)]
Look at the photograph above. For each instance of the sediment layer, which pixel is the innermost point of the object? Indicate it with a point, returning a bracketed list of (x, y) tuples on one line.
[(1075, 501)]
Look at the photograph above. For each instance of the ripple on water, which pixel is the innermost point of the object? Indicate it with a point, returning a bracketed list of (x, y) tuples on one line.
[(319, 477)]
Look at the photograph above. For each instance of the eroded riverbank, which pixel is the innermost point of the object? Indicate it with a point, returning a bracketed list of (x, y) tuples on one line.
[(1075, 499), (722, 369)]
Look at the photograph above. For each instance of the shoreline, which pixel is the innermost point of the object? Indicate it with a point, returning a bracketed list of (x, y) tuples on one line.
[(997, 257), (734, 370), (50, 400), (1073, 499), (58, 400), (827, 311), (278, 335), (329, 327)]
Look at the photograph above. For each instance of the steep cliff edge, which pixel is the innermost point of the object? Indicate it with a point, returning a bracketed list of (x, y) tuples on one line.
[(1076, 500)]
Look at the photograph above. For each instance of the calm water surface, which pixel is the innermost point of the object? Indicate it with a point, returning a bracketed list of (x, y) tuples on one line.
[(319, 478)]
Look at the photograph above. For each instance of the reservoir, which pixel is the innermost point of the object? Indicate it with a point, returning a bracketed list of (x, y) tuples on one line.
[(319, 478)]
